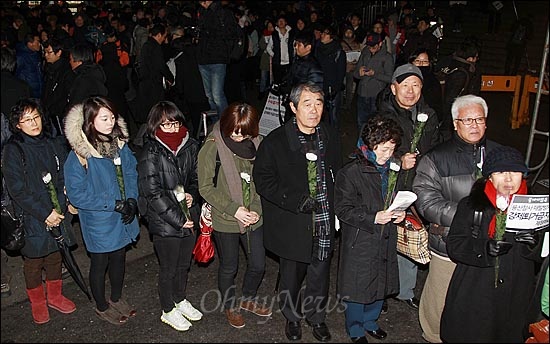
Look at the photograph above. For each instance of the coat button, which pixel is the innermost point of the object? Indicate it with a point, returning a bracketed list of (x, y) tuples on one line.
[(500, 281), (479, 255), (285, 196)]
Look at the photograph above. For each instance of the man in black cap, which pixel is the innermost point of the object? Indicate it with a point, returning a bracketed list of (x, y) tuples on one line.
[(406, 106), (373, 70)]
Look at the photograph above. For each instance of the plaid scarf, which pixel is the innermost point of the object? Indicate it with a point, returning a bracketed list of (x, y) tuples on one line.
[(322, 217)]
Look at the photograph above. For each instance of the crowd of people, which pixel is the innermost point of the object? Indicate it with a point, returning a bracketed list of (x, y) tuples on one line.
[(91, 101)]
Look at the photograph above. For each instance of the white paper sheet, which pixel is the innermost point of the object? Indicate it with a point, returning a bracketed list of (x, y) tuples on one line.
[(403, 200)]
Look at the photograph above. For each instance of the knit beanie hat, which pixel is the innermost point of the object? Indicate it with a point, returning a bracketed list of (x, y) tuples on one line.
[(504, 159)]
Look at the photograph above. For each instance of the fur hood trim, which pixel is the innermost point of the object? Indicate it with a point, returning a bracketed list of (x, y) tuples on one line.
[(78, 140)]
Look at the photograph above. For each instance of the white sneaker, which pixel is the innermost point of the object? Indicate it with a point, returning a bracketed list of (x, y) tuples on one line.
[(174, 319), (188, 311)]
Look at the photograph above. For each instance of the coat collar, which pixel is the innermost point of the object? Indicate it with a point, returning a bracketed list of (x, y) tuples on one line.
[(76, 137)]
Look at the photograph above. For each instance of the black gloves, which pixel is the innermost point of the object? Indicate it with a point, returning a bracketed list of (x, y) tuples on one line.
[(526, 237), (307, 205), (497, 248), (127, 208)]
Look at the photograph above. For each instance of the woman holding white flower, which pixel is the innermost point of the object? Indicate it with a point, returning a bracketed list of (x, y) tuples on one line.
[(169, 195), (42, 153), (225, 179), (368, 268), (99, 167)]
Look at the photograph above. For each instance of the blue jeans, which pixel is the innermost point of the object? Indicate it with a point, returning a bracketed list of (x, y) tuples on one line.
[(213, 80), (407, 277), (361, 317), (366, 107)]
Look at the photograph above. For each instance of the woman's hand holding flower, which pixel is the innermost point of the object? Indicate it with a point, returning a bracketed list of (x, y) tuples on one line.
[(246, 217), (54, 219)]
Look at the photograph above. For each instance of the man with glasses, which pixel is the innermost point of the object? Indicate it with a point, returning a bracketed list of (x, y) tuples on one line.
[(443, 177), (58, 79)]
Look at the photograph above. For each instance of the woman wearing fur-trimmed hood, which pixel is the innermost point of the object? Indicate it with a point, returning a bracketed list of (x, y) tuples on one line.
[(101, 182)]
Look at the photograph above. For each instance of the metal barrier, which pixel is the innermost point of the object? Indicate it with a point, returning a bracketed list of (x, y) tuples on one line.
[(504, 83), (530, 85)]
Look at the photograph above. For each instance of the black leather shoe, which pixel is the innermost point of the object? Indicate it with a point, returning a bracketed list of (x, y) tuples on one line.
[(378, 334), (359, 339), (293, 330), (320, 332), (413, 303)]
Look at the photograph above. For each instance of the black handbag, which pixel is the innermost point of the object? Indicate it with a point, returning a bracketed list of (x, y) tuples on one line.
[(13, 231)]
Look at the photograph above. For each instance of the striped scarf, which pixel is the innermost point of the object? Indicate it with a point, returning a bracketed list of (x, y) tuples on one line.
[(322, 217)]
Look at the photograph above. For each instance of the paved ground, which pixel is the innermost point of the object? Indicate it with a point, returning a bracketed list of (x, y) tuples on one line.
[(401, 322)]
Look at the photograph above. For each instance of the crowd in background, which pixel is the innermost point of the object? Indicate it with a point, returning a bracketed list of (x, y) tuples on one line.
[(133, 82)]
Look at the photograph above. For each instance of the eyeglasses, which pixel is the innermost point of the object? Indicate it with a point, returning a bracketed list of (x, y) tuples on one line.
[(170, 125), (422, 62), (326, 32), (29, 121), (48, 52), (470, 121)]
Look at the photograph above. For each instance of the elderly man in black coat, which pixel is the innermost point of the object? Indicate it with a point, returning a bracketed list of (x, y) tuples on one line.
[(294, 175)]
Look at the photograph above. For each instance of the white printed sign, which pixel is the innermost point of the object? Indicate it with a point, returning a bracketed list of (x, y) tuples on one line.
[(270, 115), (527, 212)]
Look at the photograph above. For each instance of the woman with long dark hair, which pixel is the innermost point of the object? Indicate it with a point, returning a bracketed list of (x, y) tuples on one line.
[(101, 182)]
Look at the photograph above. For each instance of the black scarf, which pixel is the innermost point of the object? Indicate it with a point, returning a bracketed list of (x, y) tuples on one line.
[(244, 149)]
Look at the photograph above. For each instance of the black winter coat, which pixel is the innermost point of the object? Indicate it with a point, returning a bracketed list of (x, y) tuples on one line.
[(332, 59), (152, 68), (476, 311), (58, 80), (30, 194), (13, 90), (368, 257), (444, 176), (218, 30), (159, 172), (430, 135), (89, 81), (280, 174), (305, 69)]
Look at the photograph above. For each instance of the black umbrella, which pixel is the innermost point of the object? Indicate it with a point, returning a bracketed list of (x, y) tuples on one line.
[(68, 259)]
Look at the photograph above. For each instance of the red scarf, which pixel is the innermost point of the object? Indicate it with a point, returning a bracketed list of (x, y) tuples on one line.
[(172, 140), (491, 193)]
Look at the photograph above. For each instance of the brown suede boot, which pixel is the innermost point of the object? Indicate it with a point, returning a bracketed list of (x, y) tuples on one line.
[(56, 300), (40, 313)]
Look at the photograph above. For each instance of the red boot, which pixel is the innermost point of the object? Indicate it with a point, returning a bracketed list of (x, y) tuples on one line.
[(56, 300), (40, 313)]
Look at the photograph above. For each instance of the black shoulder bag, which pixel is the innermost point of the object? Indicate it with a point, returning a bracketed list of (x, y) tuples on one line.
[(13, 229)]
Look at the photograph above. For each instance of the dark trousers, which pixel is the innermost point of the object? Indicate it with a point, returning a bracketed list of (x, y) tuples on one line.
[(115, 263), (174, 256), (32, 269), (314, 300), (228, 252)]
